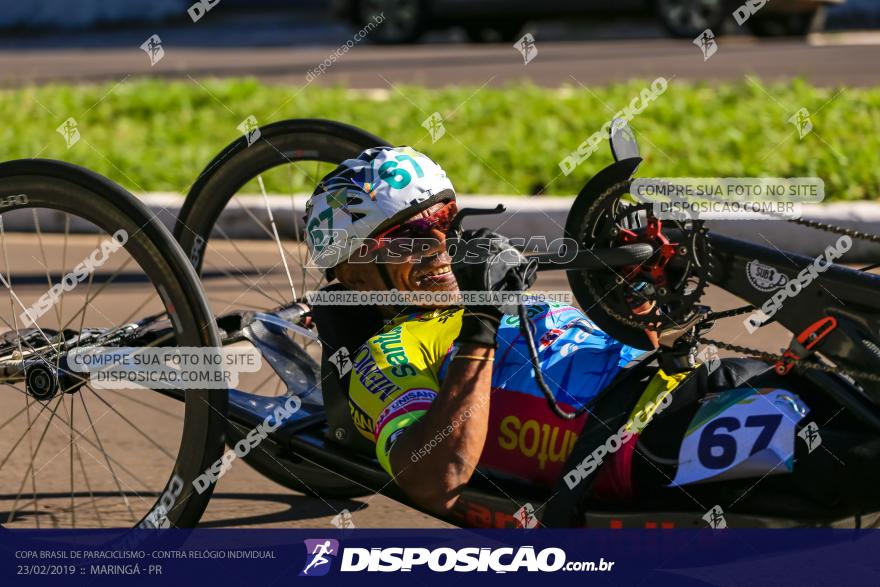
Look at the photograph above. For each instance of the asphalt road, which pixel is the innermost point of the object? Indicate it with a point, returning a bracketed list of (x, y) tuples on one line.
[(822, 61), (114, 448)]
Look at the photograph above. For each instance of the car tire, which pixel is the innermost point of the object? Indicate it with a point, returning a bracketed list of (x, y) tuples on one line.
[(683, 20), (404, 20), (788, 25)]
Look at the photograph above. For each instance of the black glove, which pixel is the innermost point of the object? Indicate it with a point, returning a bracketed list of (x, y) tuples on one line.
[(484, 261)]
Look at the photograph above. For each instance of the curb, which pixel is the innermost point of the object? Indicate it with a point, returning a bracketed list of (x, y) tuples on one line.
[(525, 217)]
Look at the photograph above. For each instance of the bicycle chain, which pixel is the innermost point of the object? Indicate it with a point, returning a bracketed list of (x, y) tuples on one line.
[(850, 232), (797, 364)]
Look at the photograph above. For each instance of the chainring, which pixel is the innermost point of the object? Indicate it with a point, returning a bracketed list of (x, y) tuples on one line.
[(673, 279)]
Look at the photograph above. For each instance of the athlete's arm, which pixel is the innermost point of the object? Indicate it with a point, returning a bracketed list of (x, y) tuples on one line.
[(435, 457)]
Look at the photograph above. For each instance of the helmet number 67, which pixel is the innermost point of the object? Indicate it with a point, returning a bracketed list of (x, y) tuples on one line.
[(396, 176)]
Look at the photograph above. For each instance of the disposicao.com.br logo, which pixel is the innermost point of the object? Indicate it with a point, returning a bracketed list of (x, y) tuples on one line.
[(441, 560), (319, 554)]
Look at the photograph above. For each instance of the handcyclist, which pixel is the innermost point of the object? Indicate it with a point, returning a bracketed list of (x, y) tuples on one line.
[(449, 392), (442, 390)]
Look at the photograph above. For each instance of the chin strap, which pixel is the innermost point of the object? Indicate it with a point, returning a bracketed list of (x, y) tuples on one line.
[(386, 278)]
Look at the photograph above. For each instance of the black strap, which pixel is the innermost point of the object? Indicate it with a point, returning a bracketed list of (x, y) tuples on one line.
[(610, 411), (342, 327)]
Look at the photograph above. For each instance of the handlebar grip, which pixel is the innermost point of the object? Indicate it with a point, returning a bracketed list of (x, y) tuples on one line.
[(596, 258), (455, 227)]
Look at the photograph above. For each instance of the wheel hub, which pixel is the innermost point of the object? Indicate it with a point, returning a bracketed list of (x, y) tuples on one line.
[(44, 381)]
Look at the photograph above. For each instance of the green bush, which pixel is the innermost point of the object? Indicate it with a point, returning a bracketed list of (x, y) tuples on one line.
[(158, 135)]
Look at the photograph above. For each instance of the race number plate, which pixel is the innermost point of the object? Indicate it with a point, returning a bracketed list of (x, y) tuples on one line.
[(741, 433)]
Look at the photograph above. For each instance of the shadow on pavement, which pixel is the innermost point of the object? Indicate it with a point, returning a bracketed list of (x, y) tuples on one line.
[(300, 507)]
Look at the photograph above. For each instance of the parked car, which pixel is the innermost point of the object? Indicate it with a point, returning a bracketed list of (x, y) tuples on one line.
[(765, 18), (502, 20)]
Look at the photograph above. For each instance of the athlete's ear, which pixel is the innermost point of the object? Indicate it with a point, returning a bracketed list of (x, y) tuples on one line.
[(342, 273), (357, 276)]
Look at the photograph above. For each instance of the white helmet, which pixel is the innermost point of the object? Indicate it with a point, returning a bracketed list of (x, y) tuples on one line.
[(363, 196)]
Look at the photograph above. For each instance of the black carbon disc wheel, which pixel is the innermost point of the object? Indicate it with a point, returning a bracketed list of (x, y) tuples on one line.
[(86, 456)]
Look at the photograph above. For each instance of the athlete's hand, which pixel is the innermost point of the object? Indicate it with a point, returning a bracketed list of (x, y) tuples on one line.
[(484, 261), (651, 334)]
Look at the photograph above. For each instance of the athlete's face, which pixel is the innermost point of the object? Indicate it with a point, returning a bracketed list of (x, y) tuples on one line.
[(425, 268)]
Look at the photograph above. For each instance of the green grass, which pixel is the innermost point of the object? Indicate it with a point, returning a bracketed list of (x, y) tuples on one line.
[(157, 136)]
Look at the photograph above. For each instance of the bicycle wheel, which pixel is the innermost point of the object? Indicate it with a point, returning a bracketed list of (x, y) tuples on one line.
[(225, 224), (74, 453), (251, 258)]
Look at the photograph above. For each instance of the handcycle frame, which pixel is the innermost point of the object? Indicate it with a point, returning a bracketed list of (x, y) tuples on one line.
[(301, 453), (302, 449)]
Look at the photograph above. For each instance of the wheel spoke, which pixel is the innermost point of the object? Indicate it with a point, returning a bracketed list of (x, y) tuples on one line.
[(150, 297), (85, 475), (259, 223), (82, 320), (296, 233), (150, 406), (37, 352), (20, 438), (161, 448), (108, 459), (14, 416), (89, 301), (45, 438), (277, 238), (280, 299), (71, 445), (33, 458), (249, 285)]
